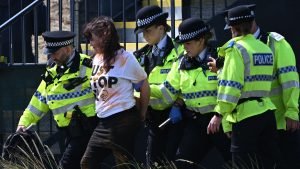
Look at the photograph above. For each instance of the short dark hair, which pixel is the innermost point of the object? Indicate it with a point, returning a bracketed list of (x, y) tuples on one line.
[(164, 24), (206, 36), (243, 28)]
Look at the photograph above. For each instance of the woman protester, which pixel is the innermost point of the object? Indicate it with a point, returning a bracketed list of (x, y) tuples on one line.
[(114, 74)]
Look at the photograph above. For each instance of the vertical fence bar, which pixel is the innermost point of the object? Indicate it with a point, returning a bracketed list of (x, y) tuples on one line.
[(85, 21), (75, 14), (226, 4), (60, 12), (36, 22), (111, 9), (99, 8), (10, 53), (136, 36), (48, 16), (213, 8), (124, 25), (23, 57), (72, 16), (173, 18), (200, 7)]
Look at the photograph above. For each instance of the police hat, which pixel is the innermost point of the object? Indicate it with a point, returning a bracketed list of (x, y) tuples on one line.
[(191, 29), (239, 14), (149, 16), (56, 39)]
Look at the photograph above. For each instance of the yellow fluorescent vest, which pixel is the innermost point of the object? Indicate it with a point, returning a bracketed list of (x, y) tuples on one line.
[(158, 75), (285, 86), (247, 72), (197, 88), (55, 98)]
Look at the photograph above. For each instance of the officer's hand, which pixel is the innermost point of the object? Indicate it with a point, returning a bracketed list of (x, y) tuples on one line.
[(212, 65), (21, 128), (214, 125), (292, 125), (175, 114)]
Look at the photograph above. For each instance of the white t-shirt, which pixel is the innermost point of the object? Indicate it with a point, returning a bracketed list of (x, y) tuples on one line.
[(114, 89)]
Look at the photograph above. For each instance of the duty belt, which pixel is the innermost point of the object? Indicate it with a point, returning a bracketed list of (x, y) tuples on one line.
[(241, 101)]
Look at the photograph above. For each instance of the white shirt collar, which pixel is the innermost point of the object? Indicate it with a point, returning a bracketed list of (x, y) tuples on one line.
[(70, 60), (257, 32), (162, 43), (201, 55)]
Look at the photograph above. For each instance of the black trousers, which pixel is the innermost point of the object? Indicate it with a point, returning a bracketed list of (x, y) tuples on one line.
[(254, 142), (162, 143), (196, 143), (114, 135), (75, 146), (289, 145)]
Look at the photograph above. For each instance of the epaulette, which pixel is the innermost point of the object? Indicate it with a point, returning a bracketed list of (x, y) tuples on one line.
[(87, 62), (141, 51), (180, 56), (230, 44), (276, 36)]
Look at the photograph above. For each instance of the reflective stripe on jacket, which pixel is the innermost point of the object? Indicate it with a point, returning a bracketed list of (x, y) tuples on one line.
[(54, 97), (247, 72)]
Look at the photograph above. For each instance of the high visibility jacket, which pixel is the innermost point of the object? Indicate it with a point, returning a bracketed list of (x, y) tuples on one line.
[(53, 96), (198, 88), (247, 73), (159, 73), (285, 86)]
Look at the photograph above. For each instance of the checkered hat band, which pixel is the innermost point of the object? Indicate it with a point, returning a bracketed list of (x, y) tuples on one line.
[(59, 44), (240, 17), (191, 34), (146, 21)]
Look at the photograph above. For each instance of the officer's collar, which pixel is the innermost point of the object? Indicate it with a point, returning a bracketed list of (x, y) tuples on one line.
[(256, 34), (75, 62), (202, 55), (169, 46), (70, 60), (263, 36), (189, 63), (162, 43)]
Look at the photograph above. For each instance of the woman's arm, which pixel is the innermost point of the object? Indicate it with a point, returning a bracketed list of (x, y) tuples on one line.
[(144, 99)]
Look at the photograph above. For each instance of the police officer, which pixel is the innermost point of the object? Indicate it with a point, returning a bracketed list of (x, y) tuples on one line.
[(191, 78), (284, 93), (244, 86), (157, 58), (66, 92)]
